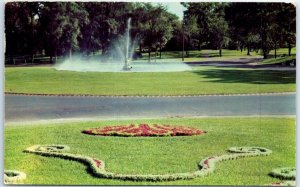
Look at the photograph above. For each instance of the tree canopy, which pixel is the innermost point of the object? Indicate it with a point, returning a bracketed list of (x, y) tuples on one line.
[(61, 28)]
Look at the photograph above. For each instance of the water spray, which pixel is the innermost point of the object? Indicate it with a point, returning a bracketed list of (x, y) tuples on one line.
[(127, 59)]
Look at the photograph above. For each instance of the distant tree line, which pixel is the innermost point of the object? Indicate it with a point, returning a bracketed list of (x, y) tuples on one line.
[(249, 26), (62, 28)]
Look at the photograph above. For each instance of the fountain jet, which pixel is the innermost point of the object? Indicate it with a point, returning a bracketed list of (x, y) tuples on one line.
[(127, 59)]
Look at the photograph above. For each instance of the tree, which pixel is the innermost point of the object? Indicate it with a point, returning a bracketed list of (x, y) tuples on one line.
[(190, 31), (202, 12), (218, 30), (218, 27), (22, 28), (244, 25), (157, 28), (286, 18), (269, 21)]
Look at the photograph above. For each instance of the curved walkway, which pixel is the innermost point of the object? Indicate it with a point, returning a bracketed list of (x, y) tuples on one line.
[(22, 108)]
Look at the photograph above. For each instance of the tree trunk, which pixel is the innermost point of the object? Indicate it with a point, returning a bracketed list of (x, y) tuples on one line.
[(149, 54), (290, 48), (241, 49), (32, 58), (182, 55), (248, 51), (55, 54), (160, 53), (51, 58), (275, 50), (188, 47), (220, 52), (140, 48), (265, 54), (199, 43)]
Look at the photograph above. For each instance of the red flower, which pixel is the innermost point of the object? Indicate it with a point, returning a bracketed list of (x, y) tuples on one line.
[(144, 130), (98, 163)]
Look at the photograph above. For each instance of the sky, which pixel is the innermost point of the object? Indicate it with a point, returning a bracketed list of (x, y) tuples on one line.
[(174, 7)]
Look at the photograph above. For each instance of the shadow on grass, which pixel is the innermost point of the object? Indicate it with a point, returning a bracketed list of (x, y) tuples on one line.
[(248, 76)]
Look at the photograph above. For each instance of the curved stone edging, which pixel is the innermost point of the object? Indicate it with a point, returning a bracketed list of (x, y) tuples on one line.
[(206, 166), (142, 96), (13, 176)]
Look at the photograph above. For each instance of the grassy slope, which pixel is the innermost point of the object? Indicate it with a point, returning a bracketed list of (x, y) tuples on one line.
[(278, 60), (203, 80), (156, 155)]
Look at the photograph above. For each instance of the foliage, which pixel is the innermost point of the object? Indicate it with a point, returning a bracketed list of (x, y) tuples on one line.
[(274, 23), (60, 28), (144, 130), (62, 22)]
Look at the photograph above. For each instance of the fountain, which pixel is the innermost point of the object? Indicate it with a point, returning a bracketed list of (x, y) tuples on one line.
[(127, 59), (120, 60)]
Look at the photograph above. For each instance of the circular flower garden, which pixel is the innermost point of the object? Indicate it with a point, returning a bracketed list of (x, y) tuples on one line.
[(144, 130)]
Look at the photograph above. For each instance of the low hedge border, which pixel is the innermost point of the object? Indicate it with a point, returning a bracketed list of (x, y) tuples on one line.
[(286, 173), (13, 177), (206, 166)]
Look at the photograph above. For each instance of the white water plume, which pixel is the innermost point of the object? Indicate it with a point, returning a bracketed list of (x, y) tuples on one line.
[(119, 59), (161, 65)]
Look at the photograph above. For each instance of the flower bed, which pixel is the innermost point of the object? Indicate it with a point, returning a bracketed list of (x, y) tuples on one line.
[(97, 167), (144, 130)]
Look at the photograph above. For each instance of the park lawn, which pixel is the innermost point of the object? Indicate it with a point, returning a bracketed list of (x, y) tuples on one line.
[(283, 51), (278, 60), (155, 155), (202, 80), (202, 54)]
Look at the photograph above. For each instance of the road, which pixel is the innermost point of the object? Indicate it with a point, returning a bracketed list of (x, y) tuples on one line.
[(20, 108)]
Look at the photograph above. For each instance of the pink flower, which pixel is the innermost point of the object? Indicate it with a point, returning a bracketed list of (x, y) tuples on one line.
[(144, 130)]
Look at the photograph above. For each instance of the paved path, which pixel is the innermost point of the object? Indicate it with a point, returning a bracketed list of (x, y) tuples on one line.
[(34, 108)]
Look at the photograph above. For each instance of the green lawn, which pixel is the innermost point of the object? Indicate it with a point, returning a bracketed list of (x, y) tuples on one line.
[(278, 60), (202, 80), (226, 53), (283, 51), (155, 155), (203, 54)]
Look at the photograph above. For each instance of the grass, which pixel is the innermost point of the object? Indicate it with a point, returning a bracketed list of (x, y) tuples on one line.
[(226, 53), (200, 55), (283, 51), (202, 80), (278, 60), (155, 155)]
